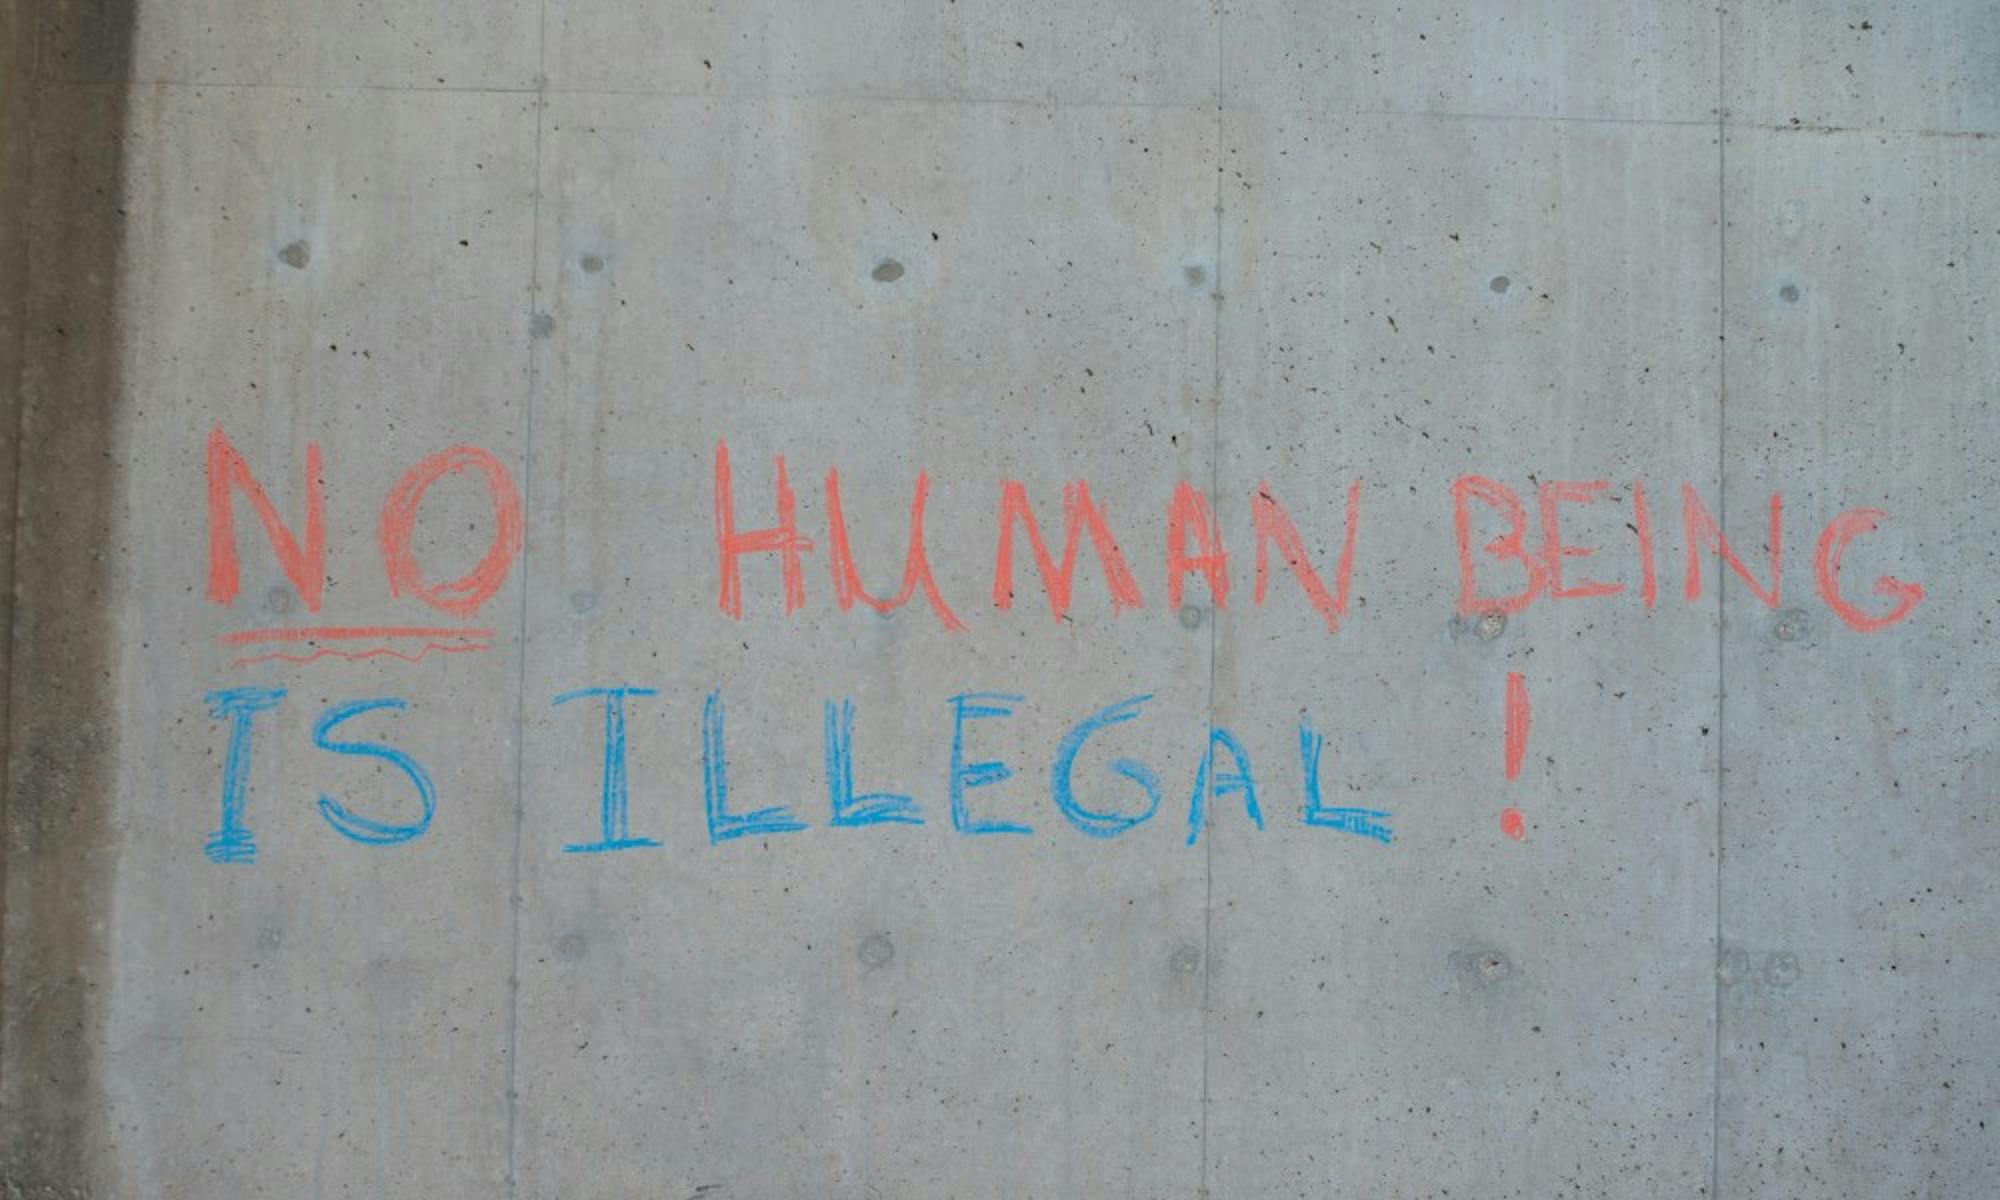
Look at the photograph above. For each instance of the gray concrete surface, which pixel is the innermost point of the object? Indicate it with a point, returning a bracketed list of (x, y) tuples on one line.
[(1739, 952)]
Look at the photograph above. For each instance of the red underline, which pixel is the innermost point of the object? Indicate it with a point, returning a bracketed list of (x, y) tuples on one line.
[(329, 633), (372, 652)]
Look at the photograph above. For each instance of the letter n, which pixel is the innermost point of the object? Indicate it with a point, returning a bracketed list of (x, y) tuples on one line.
[(304, 566)]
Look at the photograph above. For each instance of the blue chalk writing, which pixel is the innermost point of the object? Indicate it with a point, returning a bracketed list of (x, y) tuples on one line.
[(977, 706), (871, 808), (614, 809), (1101, 824), (233, 843), (1238, 780), (723, 824), (1365, 822), (352, 825)]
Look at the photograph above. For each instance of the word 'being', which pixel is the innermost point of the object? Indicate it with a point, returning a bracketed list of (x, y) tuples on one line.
[(1223, 772)]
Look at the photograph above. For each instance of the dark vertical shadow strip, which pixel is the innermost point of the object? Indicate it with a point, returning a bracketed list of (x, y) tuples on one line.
[(63, 109)]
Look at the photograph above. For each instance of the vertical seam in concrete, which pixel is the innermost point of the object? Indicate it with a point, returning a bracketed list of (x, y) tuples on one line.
[(1721, 593), (513, 1005), (1215, 609)]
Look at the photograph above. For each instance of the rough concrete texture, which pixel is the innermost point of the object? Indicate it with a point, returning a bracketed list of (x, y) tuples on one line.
[(1740, 950)]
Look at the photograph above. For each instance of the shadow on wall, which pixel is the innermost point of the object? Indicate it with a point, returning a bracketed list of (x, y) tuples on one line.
[(62, 133)]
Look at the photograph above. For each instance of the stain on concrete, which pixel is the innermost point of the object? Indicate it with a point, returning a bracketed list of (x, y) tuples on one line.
[(1792, 625), (1480, 969), (876, 950), (64, 351), (1484, 627)]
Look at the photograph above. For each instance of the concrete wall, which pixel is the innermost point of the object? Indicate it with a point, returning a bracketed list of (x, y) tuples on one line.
[(1738, 947)]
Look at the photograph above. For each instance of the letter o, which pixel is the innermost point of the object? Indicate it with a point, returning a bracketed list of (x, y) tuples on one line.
[(461, 596)]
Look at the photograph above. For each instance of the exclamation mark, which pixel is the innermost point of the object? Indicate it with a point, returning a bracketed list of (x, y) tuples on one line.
[(1512, 823)]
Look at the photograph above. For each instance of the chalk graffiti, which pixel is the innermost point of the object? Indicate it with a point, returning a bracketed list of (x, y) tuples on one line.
[(352, 825), (1531, 554), (233, 841), (615, 809), (1194, 546)]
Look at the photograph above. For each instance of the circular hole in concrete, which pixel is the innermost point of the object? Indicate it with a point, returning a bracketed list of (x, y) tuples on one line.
[(887, 271), (1499, 284), (1791, 625), (1789, 293), (875, 950)]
